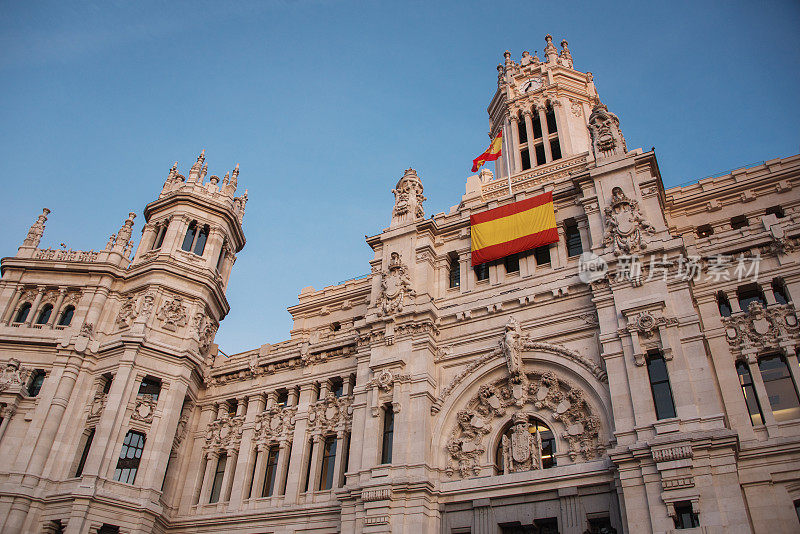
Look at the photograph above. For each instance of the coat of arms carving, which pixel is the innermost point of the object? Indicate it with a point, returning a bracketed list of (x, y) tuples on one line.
[(395, 287), (625, 225)]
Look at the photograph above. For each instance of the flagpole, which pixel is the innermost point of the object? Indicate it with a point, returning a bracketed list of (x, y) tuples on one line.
[(508, 163)]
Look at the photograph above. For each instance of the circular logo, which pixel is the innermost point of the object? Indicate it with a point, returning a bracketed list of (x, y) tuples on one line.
[(591, 267)]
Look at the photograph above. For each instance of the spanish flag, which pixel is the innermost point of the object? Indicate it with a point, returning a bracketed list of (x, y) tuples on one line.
[(491, 154), (513, 228)]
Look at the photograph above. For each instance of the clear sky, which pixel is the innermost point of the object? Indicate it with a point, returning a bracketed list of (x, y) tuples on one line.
[(325, 103)]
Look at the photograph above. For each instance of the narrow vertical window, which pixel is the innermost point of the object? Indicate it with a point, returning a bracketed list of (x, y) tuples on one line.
[(66, 316), (188, 240), (779, 291), (87, 438), (249, 494), (659, 385), (272, 469), (685, 516), (550, 116), (308, 464), (749, 392), (482, 271), (328, 459), (780, 387), (162, 231), (454, 271), (286, 472), (537, 129), (44, 315), (723, 304), (337, 387), (35, 385), (540, 157), (523, 132), (525, 158), (573, 238), (542, 255), (346, 466), (23, 312), (512, 263), (200, 245), (555, 149), (388, 434), (221, 257), (129, 457), (219, 474), (282, 399)]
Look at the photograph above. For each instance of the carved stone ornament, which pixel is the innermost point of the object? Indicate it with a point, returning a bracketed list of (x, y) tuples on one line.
[(761, 328), (36, 231), (144, 408), (607, 139), (331, 414), (647, 324), (127, 313), (625, 225), (275, 425), (395, 287), (183, 423), (172, 314), (522, 451), (13, 376), (97, 405), (511, 344), (572, 420), (385, 380), (408, 198), (224, 433)]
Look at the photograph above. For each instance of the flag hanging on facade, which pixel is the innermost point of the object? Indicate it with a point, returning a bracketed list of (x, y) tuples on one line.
[(491, 154), (513, 228)]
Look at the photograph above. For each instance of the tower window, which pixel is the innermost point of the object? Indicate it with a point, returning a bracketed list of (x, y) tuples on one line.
[(200, 245), (87, 438), (542, 255), (573, 238), (482, 271), (540, 157), (44, 315), (780, 387), (162, 231), (337, 387), (328, 459), (23, 312), (723, 304), (221, 257), (151, 387), (272, 469), (659, 385), (525, 157), (129, 457), (219, 474), (35, 385), (66, 316), (537, 127), (454, 271), (283, 398), (685, 516), (550, 116), (780, 291), (740, 221), (523, 131), (749, 392), (388, 434), (704, 230), (776, 210), (555, 149), (512, 263), (750, 293), (188, 240)]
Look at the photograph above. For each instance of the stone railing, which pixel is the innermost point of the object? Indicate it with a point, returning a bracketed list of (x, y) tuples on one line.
[(549, 172), (87, 256)]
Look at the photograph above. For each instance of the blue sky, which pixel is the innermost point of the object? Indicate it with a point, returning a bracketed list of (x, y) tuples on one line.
[(324, 104)]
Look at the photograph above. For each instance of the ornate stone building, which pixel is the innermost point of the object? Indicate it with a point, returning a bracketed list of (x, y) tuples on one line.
[(639, 375)]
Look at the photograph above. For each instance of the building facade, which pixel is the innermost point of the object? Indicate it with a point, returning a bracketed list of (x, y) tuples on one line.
[(639, 375)]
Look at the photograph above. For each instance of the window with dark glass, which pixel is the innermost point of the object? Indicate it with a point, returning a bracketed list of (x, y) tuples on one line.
[(659, 385), (151, 387), (337, 387), (599, 525), (202, 237), (328, 460), (22, 313), (56, 526), (550, 116), (388, 434), (308, 465), (283, 398), (482, 271), (749, 392), (272, 470), (221, 258), (797, 509), (537, 126), (777, 211), (779, 291), (35, 385), (159, 240), (740, 221), (523, 131), (525, 158), (555, 149), (573, 238), (108, 529), (748, 294), (87, 444), (512, 263), (540, 157), (219, 474), (723, 304), (108, 379), (129, 457), (454, 271), (685, 516), (542, 255), (66, 316), (780, 387), (44, 315), (232, 405), (539, 526), (704, 230), (188, 240), (346, 453)]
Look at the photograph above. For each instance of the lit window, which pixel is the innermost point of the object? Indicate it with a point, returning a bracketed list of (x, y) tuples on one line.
[(219, 474), (129, 457), (388, 434), (780, 387), (66, 316), (723, 304), (573, 238), (23, 312), (44, 315), (35, 385), (749, 391), (545, 436), (328, 458), (272, 469), (684, 516), (454, 271), (512, 263), (482, 271), (659, 385)]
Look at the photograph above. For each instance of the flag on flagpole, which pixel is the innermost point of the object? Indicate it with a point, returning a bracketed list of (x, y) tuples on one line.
[(491, 153), (513, 228)]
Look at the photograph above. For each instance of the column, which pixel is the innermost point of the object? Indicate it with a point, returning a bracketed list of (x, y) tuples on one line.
[(149, 234), (561, 246), (293, 395), (57, 308), (247, 456), (761, 391), (734, 301), (262, 452), (299, 446), (548, 156), (162, 433), (35, 307), (791, 361), (227, 477), (8, 413), (175, 232), (529, 129), (583, 229), (213, 247), (212, 457), (283, 467), (339, 461), (9, 314), (316, 454), (483, 517), (517, 165), (324, 388)]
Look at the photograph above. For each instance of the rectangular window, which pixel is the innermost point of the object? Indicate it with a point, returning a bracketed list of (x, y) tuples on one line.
[(150, 386), (540, 157), (523, 131), (512, 263), (537, 126), (85, 454), (659, 384), (188, 240), (454, 271), (684, 516), (573, 238), (525, 156), (272, 469), (749, 391), (129, 457), (780, 387), (779, 291), (482, 271), (542, 255), (346, 459), (740, 221), (328, 460), (550, 115), (555, 149), (748, 294), (283, 398), (219, 474), (388, 434)]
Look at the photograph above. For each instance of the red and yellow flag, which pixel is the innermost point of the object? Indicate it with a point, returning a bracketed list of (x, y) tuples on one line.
[(491, 154), (513, 228)]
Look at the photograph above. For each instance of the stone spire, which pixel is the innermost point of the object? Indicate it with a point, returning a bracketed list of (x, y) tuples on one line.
[(565, 57), (550, 50), (194, 173), (36, 231), (125, 232), (408, 198)]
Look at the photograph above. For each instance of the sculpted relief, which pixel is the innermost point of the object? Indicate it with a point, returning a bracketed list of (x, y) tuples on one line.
[(395, 287), (625, 225)]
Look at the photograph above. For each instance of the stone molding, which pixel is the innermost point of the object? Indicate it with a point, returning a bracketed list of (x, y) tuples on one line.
[(760, 328)]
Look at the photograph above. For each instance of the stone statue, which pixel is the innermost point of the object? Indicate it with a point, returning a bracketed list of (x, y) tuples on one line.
[(512, 345), (37, 230), (11, 375), (124, 234), (522, 450)]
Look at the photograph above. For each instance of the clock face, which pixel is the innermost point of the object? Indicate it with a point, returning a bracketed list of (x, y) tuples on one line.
[(532, 85)]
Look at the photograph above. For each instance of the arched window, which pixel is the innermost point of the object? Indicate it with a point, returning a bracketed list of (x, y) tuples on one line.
[(200, 245), (23, 312), (44, 315), (542, 439), (66, 316), (188, 241)]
